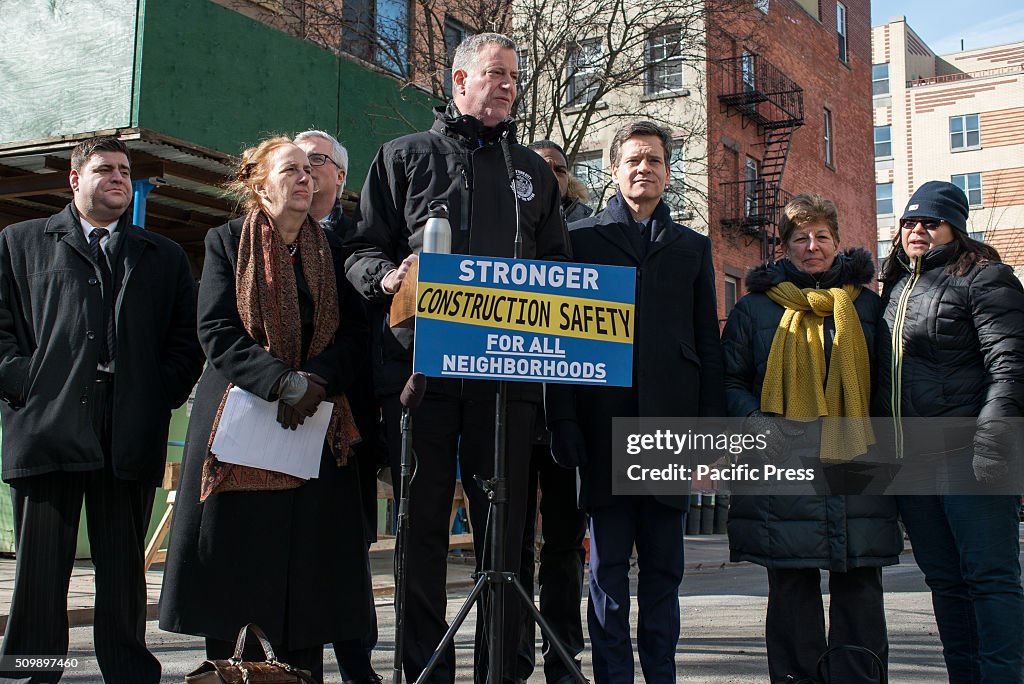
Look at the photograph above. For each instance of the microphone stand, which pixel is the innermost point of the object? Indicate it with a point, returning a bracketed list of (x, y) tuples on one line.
[(411, 397), (496, 489)]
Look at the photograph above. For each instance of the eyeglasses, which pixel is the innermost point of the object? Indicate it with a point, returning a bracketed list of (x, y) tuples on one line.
[(928, 224), (317, 159)]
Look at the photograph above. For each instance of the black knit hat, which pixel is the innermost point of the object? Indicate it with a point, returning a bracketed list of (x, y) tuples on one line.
[(939, 200)]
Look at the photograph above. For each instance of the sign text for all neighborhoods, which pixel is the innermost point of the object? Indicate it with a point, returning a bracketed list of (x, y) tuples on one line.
[(508, 319)]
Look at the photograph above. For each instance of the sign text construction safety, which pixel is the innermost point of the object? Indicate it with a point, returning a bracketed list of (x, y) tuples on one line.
[(519, 319)]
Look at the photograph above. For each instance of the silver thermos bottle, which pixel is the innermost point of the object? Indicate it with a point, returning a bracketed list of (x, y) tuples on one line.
[(437, 234)]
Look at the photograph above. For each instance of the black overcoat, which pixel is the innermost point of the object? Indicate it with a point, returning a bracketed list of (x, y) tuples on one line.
[(293, 561), (677, 356), (51, 329)]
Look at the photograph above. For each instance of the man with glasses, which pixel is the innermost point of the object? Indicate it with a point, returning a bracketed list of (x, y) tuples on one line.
[(329, 160)]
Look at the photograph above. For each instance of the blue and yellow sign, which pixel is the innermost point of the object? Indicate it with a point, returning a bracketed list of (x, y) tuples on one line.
[(509, 319)]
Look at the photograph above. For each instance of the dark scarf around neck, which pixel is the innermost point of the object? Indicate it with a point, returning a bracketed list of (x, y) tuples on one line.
[(619, 211)]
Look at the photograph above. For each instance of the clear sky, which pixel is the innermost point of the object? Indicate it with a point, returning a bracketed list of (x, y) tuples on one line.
[(942, 23)]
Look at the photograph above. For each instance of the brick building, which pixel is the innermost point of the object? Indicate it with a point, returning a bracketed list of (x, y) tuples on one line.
[(786, 108), (956, 117)]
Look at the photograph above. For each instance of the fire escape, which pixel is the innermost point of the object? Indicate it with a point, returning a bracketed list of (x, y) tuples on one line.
[(764, 96)]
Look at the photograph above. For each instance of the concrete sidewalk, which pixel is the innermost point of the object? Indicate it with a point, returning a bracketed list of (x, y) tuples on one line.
[(702, 552)]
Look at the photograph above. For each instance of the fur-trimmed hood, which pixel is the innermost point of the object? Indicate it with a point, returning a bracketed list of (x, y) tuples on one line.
[(853, 266)]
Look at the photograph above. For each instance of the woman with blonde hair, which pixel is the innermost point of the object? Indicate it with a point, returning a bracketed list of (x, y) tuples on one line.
[(254, 545)]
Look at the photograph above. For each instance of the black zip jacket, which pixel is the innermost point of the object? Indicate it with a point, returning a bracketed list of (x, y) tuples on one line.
[(460, 162)]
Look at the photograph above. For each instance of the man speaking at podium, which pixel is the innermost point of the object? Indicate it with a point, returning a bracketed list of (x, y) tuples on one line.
[(459, 161)]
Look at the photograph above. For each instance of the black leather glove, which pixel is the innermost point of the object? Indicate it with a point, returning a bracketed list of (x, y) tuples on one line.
[(568, 447), (294, 407)]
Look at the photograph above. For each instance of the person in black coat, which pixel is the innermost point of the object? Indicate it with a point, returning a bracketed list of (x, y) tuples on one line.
[(329, 161), (562, 554), (956, 319), (677, 371), (252, 545), (795, 537), (97, 346), (460, 161)]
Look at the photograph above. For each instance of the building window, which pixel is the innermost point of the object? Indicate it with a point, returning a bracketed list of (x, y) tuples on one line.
[(879, 79), (883, 249), (585, 58), (377, 31), (829, 158), (964, 132), (883, 199), (454, 33), (750, 188), (747, 65), (522, 84), (841, 30), (979, 236), (970, 183), (675, 193), (732, 288), (883, 141), (588, 170), (665, 61)]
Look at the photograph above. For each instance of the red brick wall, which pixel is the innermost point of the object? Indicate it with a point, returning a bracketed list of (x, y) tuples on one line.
[(807, 52)]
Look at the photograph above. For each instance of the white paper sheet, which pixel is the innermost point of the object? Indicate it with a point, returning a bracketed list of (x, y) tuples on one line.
[(250, 435)]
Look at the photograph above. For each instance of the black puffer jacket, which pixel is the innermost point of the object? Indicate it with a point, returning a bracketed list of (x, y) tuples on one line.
[(962, 351), (829, 532)]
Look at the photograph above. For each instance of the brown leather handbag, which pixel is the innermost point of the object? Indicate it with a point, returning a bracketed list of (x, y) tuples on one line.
[(235, 671)]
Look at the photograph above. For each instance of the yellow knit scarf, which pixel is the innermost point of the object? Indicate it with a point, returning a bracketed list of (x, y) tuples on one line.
[(797, 374)]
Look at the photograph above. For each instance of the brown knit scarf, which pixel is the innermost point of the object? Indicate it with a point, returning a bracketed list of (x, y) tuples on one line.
[(268, 305)]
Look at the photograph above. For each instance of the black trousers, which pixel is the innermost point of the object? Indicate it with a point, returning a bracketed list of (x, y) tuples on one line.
[(445, 426), (561, 565), (795, 625), (47, 509)]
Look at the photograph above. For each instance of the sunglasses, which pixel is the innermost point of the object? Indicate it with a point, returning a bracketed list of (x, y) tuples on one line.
[(317, 159), (911, 223)]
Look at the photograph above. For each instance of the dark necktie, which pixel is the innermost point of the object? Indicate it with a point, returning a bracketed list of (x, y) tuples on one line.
[(644, 229), (109, 338)]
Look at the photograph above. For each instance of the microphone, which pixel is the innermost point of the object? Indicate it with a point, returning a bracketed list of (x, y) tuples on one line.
[(415, 388)]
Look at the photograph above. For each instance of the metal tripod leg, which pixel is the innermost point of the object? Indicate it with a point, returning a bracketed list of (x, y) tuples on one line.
[(547, 631), (435, 657)]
